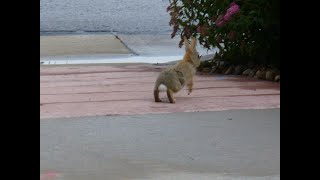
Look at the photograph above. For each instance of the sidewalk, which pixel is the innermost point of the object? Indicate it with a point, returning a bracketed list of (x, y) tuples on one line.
[(175, 146), (109, 48), (63, 45), (123, 89)]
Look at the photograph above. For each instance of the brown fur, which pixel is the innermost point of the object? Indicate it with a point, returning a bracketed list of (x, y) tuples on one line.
[(179, 75)]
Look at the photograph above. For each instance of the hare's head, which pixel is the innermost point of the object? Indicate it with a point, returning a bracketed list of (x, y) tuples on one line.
[(191, 51)]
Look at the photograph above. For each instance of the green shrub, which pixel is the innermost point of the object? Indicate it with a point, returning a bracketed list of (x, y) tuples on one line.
[(242, 30)]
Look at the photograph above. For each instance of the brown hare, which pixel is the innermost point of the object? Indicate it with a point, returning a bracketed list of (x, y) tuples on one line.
[(174, 78)]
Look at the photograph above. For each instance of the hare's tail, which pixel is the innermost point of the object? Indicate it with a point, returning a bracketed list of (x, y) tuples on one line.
[(156, 91), (162, 87)]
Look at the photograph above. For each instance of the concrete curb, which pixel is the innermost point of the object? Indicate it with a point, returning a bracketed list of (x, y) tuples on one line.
[(110, 48)]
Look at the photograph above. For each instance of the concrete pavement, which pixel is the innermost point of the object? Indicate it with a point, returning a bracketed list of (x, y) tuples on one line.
[(111, 48), (123, 89), (62, 45), (99, 121), (233, 144)]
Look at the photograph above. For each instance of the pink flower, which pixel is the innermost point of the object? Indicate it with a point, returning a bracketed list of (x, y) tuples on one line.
[(235, 9), (231, 11), (222, 19), (232, 4), (227, 17), (221, 23)]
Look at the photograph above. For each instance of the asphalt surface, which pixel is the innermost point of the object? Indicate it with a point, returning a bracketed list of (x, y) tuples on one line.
[(234, 144), (124, 16)]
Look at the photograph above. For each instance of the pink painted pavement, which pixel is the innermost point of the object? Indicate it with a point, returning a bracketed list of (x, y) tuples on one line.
[(89, 90)]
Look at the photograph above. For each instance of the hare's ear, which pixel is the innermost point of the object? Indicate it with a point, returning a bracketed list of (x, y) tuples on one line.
[(193, 42), (186, 43)]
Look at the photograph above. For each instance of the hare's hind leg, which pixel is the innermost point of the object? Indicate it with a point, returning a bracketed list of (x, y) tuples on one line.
[(190, 85), (156, 95), (170, 96)]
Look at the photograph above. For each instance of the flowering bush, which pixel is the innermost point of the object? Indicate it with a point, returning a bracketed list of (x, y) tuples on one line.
[(243, 30)]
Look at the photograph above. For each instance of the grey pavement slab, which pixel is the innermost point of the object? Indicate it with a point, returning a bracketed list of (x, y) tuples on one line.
[(233, 144)]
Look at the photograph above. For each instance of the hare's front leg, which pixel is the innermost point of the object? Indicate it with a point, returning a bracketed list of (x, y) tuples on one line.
[(190, 85)]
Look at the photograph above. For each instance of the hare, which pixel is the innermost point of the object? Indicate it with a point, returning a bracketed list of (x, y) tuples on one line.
[(174, 78)]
